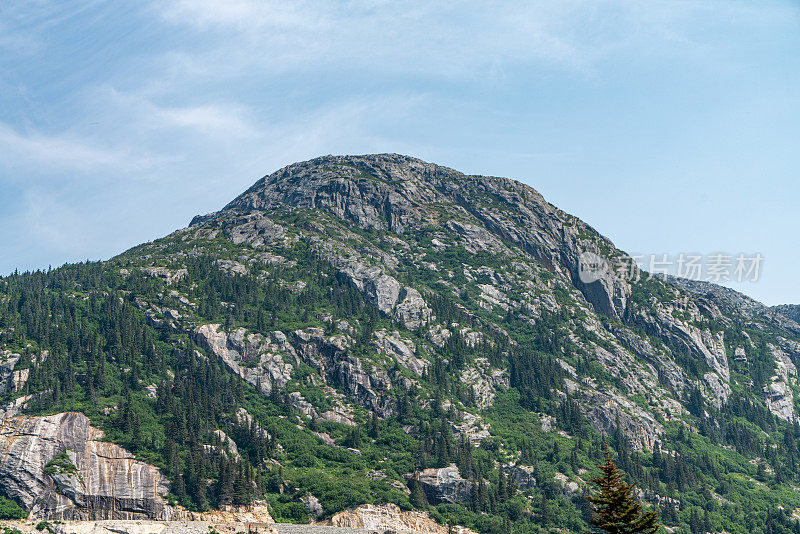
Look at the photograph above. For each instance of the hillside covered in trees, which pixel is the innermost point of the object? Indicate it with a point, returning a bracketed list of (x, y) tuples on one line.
[(378, 329)]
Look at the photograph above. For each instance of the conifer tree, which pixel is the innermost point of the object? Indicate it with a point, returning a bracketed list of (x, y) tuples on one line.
[(616, 509), (374, 429), (417, 497)]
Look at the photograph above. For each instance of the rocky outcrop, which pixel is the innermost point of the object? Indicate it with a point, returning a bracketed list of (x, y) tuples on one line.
[(382, 289), (779, 399), (568, 486), (226, 446), (11, 380), (412, 311), (358, 190), (717, 391), (472, 427), (476, 238), (367, 385), (522, 476), (156, 527), (686, 337), (169, 276), (256, 230), (232, 267), (263, 361), (790, 311), (257, 513), (444, 485), (484, 381), (299, 403), (722, 296), (92, 479), (389, 518), (402, 350), (14, 407), (313, 506), (609, 412), (779, 396), (368, 388)]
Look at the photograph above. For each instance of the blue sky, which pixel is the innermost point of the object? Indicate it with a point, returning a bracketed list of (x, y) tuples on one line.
[(669, 126)]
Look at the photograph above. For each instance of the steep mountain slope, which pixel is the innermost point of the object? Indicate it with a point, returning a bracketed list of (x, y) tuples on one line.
[(380, 329), (790, 311)]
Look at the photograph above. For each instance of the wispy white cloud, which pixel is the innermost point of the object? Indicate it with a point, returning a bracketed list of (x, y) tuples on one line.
[(439, 38), (77, 200), (208, 119), (140, 112), (243, 14), (63, 152), (448, 39)]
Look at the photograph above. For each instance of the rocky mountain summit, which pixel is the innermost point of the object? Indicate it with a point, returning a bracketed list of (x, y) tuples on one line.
[(377, 329)]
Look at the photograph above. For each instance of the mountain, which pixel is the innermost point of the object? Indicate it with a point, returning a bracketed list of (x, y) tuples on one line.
[(790, 311), (378, 329)]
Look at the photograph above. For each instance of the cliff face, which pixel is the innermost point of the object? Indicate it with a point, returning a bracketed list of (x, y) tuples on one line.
[(57, 467)]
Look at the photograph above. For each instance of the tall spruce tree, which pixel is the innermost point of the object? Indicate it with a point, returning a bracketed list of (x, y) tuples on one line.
[(616, 510)]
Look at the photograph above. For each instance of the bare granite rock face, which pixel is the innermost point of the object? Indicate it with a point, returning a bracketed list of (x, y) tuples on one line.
[(11, 379), (347, 188), (779, 396), (790, 311), (389, 518), (402, 350), (139, 526), (717, 391), (394, 192), (412, 310), (567, 486), (780, 400), (313, 506), (368, 386), (522, 476), (472, 427), (610, 411), (231, 266), (256, 513), (169, 276), (699, 342), (257, 230), (263, 361), (97, 480), (445, 485)]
